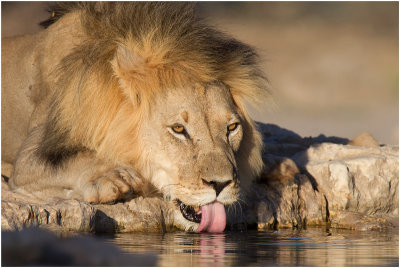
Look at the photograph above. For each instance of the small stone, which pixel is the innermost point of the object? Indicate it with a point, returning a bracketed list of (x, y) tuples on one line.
[(365, 139)]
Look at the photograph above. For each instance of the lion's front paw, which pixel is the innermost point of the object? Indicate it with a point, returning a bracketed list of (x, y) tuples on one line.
[(109, 188)]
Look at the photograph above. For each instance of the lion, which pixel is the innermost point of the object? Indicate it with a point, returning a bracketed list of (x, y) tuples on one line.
[(117, 100)]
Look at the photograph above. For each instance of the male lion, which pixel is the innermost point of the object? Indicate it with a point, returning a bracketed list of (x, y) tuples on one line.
[(115, 97)]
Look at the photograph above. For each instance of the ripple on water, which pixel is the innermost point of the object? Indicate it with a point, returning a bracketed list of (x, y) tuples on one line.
[(312, 247)]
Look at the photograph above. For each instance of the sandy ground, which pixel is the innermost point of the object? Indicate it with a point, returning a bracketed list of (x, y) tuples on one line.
[(333, 66)]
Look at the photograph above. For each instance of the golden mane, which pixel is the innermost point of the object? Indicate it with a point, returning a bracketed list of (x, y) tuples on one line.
[(131, 52)]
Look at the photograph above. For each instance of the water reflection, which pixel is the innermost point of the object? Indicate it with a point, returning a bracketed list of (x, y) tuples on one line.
[(212, 248), (313, 247)]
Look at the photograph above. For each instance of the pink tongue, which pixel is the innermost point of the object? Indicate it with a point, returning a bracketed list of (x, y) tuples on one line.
[(213, 218)]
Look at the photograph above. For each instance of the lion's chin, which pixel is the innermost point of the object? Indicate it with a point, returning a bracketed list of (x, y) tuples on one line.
[(210, 217)]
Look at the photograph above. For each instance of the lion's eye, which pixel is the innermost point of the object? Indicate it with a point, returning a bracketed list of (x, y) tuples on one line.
[(232, 127), (179, 129)]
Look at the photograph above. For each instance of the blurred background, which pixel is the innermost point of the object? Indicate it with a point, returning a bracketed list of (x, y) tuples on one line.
[(332, 66)]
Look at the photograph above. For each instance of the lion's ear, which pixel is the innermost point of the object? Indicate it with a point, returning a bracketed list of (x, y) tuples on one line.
[(130, 68)]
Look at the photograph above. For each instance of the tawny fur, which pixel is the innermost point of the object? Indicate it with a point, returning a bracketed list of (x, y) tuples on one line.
[(99, 73)]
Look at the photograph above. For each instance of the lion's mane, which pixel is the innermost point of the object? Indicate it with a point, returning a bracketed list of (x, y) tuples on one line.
[(133, 51)]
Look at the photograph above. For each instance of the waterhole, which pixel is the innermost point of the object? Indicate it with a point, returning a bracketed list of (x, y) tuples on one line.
[(312, 247)]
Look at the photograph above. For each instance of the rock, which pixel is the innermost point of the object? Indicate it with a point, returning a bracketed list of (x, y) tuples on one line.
[(19, 211), (139, 214), (69, 215), (353, 178), (365, 139), (36, 247), (306, 182), (60, 215), (289, 203), (362, 222), (340, 185)]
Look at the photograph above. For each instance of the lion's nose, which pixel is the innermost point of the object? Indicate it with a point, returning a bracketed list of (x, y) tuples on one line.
[(218, 186)]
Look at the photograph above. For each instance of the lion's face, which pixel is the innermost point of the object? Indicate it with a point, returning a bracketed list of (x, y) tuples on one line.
[(192, 139)]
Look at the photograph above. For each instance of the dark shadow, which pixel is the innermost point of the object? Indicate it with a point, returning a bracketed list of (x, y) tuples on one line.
[(273, 134), (285, 157), (104, 224)]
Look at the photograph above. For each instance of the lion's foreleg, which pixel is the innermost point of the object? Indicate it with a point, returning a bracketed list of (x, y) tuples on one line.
[(83, 176)]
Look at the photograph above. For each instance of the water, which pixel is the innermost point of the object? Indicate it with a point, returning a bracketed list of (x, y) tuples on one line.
[(312, 247)]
